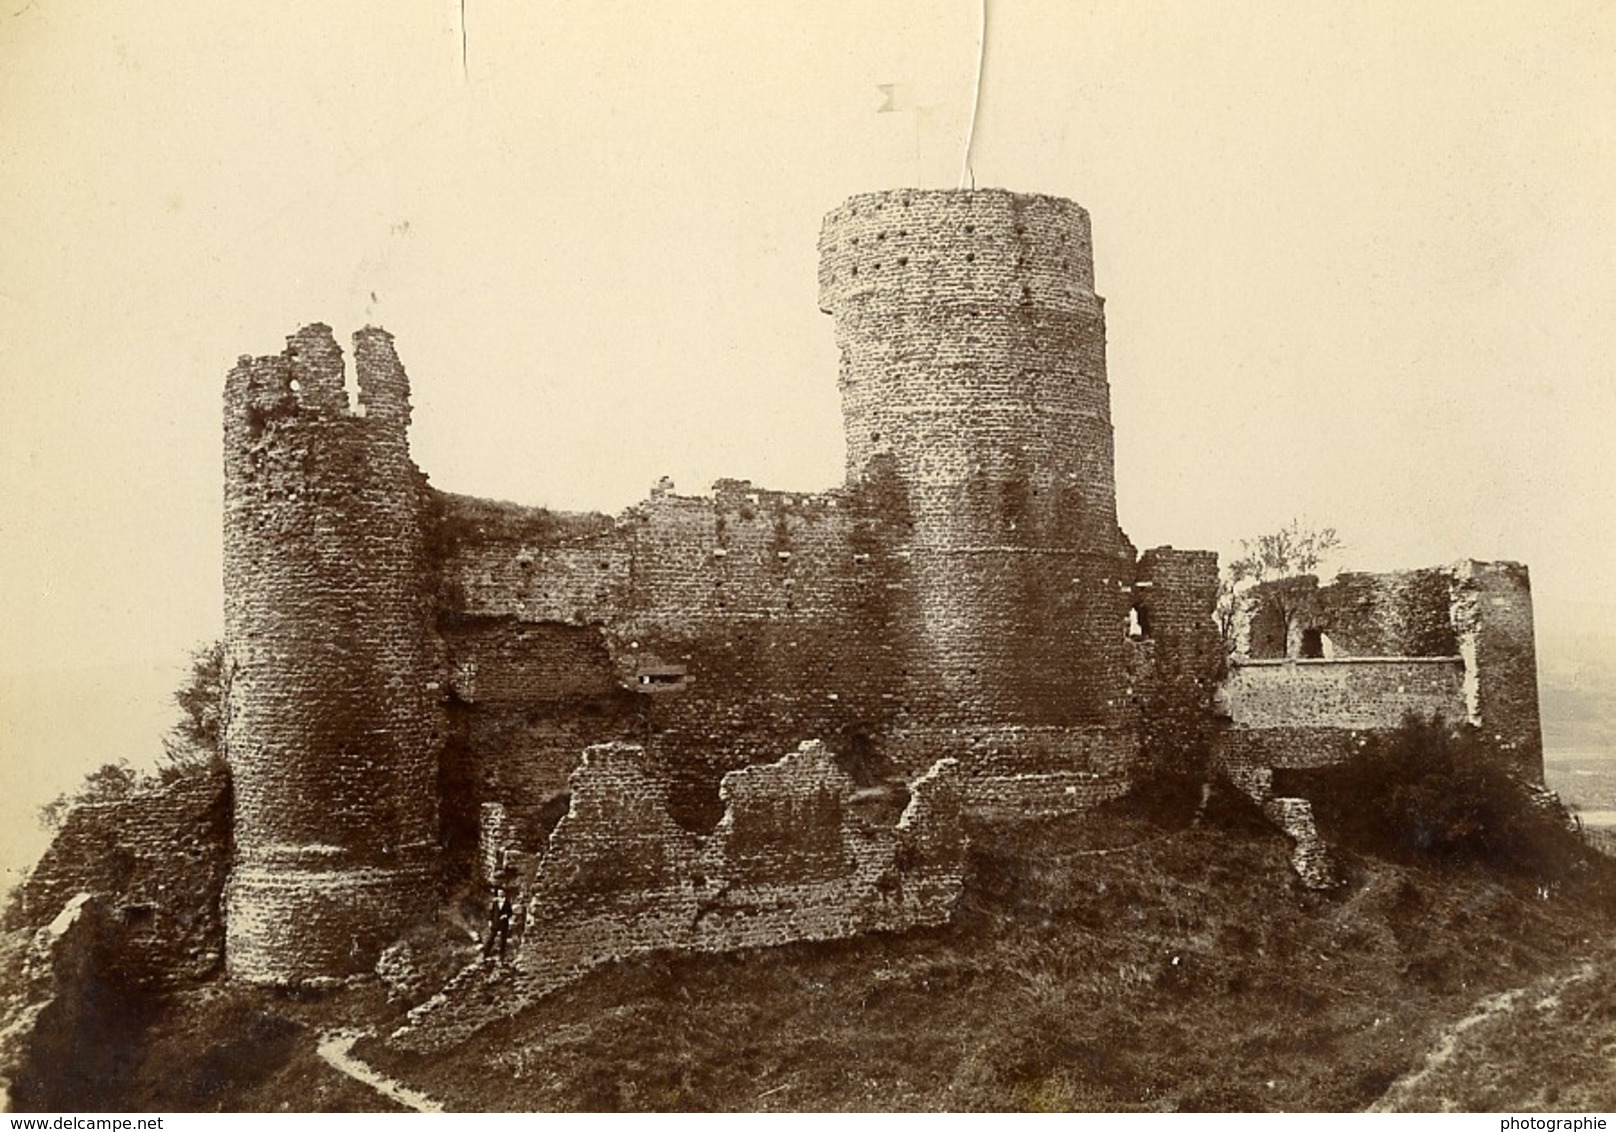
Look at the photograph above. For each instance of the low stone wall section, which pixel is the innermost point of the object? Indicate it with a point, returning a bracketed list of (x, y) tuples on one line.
[(1353, 694), (792, 859)]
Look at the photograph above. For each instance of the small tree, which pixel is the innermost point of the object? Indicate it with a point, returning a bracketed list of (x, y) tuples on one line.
[(108, 783), (1296, 549), (197, 737), (192, 745)]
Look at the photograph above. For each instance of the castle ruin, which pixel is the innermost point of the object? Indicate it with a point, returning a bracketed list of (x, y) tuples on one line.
[(788, 699)]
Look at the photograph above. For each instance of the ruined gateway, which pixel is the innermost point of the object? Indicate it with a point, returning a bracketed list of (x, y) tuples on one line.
[(726, 720)]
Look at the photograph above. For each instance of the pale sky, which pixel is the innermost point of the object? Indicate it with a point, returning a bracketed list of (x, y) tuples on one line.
[(1357, 260)]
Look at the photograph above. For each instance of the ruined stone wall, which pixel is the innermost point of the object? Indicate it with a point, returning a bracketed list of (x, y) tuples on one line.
[(156, 862), (1453, 641), (756, 595), (787, 615), (1403, 613), (1314, 713), (1492, 613), (501, 560), (795, 857), (773, 607), (1311, 859), (333, 669), (1178, 655), (523, 599)]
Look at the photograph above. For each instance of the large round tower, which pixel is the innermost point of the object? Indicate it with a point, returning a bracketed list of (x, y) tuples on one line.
[(333, 712), (973, 374)]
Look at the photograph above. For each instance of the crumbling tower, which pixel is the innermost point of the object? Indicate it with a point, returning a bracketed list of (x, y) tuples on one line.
[(973, 374), (333, 714)]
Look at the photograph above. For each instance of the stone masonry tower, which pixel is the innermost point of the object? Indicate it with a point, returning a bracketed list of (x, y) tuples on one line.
[(973, 371), (333, 714)]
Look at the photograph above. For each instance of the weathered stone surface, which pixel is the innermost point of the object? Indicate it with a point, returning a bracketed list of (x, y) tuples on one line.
[(793, 858), (333, 713), (156, 862), (1457, 644), (413, 671), (1356, 694)]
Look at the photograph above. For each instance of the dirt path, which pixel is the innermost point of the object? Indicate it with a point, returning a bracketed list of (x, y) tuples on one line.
[(1544, 994), (334, 1048)]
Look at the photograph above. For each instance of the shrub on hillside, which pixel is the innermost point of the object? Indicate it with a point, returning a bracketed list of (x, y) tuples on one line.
[(1432, 790)]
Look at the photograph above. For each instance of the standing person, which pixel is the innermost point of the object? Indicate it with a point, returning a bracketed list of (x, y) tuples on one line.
[(498, 924), (502, 922)]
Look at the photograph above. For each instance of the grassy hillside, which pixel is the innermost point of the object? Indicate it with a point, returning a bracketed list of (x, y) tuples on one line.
[(1104, 962), (1186, 973)]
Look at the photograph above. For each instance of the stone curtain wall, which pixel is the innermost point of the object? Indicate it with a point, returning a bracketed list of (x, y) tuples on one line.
[(155, 861), (527, 563), (767, 601), (778, 607), (333, 670), (524, 596), (1313, 713), (794, 858), (1358, 694), (1304, 714), (789, 614)]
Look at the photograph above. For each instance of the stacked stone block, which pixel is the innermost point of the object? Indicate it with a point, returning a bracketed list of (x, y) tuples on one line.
[(1178, 656)]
